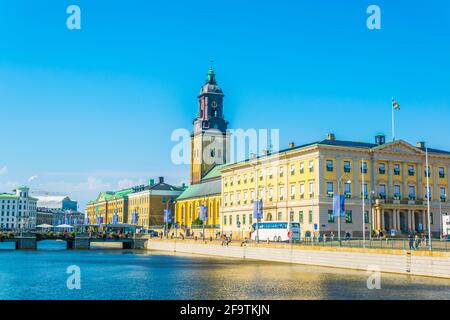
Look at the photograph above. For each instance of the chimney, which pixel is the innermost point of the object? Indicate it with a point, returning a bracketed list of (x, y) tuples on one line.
[(331, 137), (291, 145), (421, 145), (380, 139), (161, 179), (151, 182)]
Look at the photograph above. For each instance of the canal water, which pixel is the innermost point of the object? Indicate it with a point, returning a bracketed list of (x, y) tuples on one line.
[(127, 274)]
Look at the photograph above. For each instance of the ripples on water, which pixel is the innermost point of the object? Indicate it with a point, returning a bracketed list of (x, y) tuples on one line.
[(126, 274)]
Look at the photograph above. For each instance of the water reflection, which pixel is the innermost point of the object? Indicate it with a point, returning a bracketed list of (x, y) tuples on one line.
[(126, 274)]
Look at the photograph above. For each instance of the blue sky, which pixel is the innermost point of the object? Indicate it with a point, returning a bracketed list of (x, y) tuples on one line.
[(92, 109)]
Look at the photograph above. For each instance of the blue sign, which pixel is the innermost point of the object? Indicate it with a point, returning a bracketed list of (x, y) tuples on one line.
[(258, 209), (203, 213), (167, 216), (339, 205), (316, 227)]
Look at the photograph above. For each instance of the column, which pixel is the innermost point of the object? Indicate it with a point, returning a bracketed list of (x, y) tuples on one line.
[(394, 219), (377, 219), (405, 178), (357, 184), (424, 220), (399, 222), (408, 220), (420, 190), (390, 181), (382, 219), (436, 195), (413, 220), (339, 186), (319, 177)]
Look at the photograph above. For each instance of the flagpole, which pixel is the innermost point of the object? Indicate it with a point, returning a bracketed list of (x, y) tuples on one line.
[(393, 120), (428, 198)]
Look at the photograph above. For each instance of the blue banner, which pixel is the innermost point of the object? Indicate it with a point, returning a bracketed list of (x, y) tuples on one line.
[(167, 216), (115, 219), (134, 218), (258, 209), (203, 213), (339, 206)]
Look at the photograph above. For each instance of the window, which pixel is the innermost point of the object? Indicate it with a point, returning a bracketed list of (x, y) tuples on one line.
[(270, 193), (250, 219), (311, 166), (364, 167), (311, 188), (281, 171), (231, 220), (300, 216), (411, 170), (429, 193), (281, 193), (382, 168), (330, 188), (330, 165), (330, 216), (443, 194), (310, 217), (225, 220), (292, 169), (364, 191), (412, 192), (396, 169), (269, 173), (252, 195), (431, 218), (441, 173), (397, 192), (348, 216), (347, 167), (427, 172), (382, 191), (366, 217), (348, 189), (302, 190), (302, 167), (280, 216), (292, 190)]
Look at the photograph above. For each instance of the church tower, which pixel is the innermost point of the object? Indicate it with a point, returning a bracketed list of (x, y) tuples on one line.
[(209, 140)]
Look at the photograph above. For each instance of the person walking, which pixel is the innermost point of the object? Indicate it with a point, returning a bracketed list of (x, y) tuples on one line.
[(411, 241), (417, 241)]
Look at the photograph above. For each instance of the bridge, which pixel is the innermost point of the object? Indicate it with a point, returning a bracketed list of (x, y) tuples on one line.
[(80, 241)]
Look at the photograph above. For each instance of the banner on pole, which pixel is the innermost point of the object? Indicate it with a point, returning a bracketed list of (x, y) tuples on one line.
[(167, 216), (339, 206), (203, 214), (258, 209)]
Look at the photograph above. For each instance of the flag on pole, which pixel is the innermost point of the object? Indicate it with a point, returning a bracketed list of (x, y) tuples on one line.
[(395, 104)]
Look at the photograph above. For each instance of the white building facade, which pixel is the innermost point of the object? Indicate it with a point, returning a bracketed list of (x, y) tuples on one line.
[(18, 210)]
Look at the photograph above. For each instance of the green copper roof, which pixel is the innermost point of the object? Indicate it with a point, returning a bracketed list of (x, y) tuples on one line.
[(214, 172), (8, 196), (203, 189)]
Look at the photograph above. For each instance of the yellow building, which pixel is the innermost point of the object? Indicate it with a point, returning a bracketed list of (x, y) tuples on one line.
[(148, 202), (301, 181)]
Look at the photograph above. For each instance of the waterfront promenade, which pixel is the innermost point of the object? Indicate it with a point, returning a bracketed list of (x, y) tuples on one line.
[(412, 262)]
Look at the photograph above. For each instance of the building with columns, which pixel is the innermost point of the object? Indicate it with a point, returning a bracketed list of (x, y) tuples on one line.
[(298, 184), (389, 178)]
